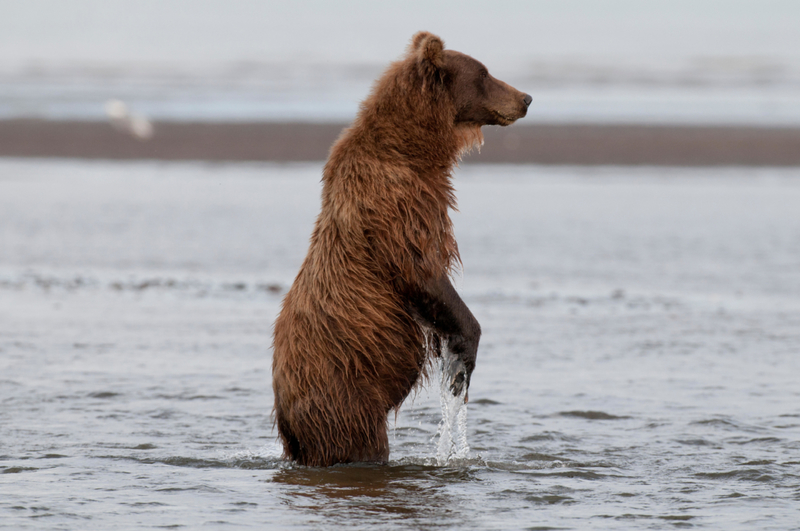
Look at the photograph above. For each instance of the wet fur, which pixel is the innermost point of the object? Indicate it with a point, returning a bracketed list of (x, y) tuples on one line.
[(349, 344)]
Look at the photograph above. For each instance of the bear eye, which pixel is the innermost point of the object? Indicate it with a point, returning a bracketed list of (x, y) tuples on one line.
[(484, 74)]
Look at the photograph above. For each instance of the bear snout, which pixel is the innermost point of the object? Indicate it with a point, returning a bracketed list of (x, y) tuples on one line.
[(510, 104), (514, 109)]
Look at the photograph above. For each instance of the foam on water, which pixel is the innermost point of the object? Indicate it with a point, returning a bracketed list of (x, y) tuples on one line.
[(272, 452)]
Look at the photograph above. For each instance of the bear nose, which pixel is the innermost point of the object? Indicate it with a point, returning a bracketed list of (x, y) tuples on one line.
[(527, 99)]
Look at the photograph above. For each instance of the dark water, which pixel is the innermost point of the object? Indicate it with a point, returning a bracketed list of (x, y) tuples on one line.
[(638, 368)]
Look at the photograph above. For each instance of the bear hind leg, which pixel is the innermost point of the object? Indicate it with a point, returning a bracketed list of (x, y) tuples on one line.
[(356, 440)]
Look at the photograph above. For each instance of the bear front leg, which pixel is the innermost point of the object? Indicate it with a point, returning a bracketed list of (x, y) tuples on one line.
[(438, 305)]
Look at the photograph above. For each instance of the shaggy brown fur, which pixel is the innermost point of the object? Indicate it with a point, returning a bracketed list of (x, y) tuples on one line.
[(348, 344)]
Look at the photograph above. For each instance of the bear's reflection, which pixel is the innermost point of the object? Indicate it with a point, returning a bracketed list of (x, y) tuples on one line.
[(367, 492)]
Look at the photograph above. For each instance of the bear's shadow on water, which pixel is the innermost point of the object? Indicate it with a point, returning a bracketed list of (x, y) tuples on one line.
[(345, 491)]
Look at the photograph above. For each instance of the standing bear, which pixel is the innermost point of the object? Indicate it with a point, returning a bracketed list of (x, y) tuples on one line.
[(373, 299)]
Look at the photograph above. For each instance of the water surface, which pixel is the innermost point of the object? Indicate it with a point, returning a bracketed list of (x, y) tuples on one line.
[(638, 367)]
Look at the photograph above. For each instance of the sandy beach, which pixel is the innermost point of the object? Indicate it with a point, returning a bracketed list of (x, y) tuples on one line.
[(581, 144)]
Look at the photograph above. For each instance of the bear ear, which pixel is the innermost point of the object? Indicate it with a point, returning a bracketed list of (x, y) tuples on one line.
[(428, 47)]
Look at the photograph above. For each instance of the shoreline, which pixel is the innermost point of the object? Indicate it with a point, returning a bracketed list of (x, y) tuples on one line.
[(549, 144)]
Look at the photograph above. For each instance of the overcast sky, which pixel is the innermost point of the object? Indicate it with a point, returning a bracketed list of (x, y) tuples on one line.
[(209, 32)]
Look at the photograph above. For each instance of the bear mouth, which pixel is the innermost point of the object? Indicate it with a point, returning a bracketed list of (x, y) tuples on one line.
[(504, 119)]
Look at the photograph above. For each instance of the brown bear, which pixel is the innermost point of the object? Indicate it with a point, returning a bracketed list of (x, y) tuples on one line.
[(373, 300)]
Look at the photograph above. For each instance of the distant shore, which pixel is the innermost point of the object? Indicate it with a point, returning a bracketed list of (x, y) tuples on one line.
[(579, 144)]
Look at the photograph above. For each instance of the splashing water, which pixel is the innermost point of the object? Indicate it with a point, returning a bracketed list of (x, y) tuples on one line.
[(453, 427)]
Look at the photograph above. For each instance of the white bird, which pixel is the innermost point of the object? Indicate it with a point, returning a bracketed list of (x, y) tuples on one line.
[(134, 124)]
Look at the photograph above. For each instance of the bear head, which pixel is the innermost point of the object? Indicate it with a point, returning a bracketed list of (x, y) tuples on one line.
[(477, 97)]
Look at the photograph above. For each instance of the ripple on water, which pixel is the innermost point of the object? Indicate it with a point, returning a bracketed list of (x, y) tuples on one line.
[(537, 456), (104, 394), (548, 436), (756, 440), (18, 469), (747, 474), (699, 442), (484, 402), (549, 499), (591, 415), (728, 424)]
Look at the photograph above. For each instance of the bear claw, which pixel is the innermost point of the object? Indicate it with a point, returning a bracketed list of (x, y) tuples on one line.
[(457, 374)]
